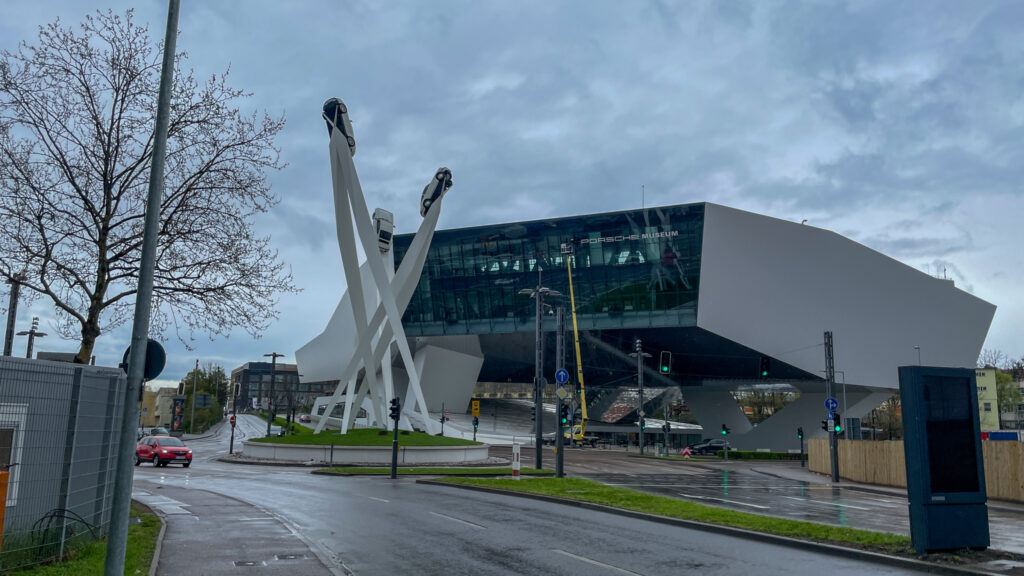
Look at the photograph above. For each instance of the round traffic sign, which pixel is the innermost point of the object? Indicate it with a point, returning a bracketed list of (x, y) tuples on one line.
[(562, 376), (831, 404)]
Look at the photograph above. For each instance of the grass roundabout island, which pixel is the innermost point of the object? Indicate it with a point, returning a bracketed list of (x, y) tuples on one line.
[(363, 446)]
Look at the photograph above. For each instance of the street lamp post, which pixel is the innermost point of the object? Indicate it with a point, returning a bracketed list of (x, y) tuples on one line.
[(538, 378), (273, 375), (32, 334)]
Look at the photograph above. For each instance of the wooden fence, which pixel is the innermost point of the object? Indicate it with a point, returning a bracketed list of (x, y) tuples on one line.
[(883, 463)]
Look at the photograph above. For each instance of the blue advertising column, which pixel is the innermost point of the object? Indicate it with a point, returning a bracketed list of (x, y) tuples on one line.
[(942, 445)]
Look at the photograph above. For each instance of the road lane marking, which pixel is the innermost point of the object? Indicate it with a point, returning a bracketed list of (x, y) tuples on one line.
[(723, 500), (459, 521), (594, 562), (826, 503), (377, 499)]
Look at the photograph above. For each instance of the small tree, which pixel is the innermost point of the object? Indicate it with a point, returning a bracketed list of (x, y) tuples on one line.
[(77, 115), (1007, 393)]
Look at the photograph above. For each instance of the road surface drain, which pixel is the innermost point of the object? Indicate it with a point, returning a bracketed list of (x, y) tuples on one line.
[(246, 563), (289, 556)]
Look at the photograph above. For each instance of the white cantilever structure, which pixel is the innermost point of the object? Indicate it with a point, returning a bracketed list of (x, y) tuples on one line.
[(375, 287)]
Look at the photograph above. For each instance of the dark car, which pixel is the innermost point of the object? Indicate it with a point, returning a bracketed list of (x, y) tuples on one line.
[(162, 450), (710, 446)]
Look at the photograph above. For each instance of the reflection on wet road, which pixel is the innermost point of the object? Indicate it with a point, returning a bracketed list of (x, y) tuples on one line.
[(750, 491)]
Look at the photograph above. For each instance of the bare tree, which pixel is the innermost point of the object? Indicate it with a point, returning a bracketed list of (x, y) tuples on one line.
[(992, 358), (77, 113)]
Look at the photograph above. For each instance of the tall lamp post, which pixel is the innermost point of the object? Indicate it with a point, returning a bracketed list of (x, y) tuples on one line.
[(273, 375), (538, 294)]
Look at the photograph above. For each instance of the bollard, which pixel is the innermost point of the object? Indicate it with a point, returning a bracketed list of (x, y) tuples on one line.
[(515, 461)]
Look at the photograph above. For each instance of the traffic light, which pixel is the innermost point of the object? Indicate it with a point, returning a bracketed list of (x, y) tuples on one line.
[(666, 427), (837, 423), (396, 408), (800, 432), (666, 362), (725, 429), (766, 364), (824, 425), (476, 422), (643, 424), (564, 414)]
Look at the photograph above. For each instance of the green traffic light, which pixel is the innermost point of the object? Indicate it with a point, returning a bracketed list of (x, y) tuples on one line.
[(764, 372), (724, 432), (838, 428)]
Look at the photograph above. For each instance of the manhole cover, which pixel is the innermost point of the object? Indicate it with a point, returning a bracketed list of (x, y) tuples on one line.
[(289, 556), (246, 563)]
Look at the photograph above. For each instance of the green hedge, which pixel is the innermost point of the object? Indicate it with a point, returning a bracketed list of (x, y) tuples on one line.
[(750, 455)]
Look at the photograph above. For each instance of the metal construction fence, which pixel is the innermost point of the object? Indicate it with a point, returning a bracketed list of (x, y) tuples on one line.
[(59, 426)]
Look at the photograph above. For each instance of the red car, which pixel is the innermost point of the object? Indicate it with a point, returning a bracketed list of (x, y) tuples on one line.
[(162, 450)]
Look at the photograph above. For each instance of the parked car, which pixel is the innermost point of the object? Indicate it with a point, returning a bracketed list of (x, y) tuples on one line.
[(709, 446), (162, 450), (305, 418)]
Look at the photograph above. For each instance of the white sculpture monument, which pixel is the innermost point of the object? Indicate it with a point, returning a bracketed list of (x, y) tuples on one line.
[(377, 295)]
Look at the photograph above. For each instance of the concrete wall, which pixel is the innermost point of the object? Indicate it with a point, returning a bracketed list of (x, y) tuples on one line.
[(365, 454)]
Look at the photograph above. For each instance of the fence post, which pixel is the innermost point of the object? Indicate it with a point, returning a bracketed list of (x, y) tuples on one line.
[(70, 438)]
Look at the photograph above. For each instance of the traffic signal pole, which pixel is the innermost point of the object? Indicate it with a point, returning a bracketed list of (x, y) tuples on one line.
[(640, 387), (560, 425)]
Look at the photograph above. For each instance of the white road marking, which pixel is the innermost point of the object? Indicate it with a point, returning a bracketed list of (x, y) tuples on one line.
[(377, 499), (459, 521), (594, 562), (806, 501), (723, 500)]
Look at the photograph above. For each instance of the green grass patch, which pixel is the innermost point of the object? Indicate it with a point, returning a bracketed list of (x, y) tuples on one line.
[(432, 471), (594, 492), (88, 559), (365, 437)]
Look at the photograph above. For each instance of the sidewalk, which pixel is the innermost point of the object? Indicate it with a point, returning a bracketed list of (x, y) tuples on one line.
[(790, 472), (212, 534)]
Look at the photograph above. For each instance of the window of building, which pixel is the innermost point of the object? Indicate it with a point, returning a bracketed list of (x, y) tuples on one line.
[(12, 436), (988, 406)]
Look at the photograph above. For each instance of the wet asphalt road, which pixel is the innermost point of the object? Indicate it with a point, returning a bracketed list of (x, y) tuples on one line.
[(234, 519)]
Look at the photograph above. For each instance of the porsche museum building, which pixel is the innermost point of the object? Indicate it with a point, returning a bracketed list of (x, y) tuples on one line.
[(717, 287)]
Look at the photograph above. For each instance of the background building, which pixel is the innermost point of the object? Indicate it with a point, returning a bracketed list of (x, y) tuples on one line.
[(988, 402), (252, 380)]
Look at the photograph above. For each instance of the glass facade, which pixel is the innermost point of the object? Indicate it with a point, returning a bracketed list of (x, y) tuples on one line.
[(631, 269)]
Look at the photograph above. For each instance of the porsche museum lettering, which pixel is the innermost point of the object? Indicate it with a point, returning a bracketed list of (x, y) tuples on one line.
[(623, 238)]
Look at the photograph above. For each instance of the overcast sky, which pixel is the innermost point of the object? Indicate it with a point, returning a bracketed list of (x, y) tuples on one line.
[(899, 125)]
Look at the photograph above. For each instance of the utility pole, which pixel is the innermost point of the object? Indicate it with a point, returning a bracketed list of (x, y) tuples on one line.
[(32, 334), (830, 377), (639, 354), (12, 311), (192, 418), (117, 537), (559, 365), (236, 386), (273, 376), (538, 373)]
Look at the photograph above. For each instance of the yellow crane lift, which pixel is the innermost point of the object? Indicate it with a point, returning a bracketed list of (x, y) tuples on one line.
[(577, 433)]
